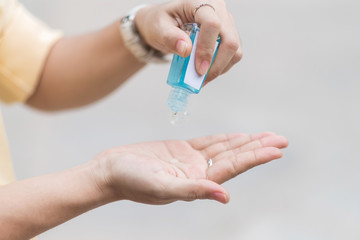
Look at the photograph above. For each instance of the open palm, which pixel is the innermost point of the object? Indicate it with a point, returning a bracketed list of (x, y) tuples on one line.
[(165, 171)]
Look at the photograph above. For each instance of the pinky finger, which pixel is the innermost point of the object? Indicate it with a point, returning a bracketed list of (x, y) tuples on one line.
[(236, 58)]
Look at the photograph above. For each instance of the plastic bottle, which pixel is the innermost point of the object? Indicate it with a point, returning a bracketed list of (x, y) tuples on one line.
[(183, 77)]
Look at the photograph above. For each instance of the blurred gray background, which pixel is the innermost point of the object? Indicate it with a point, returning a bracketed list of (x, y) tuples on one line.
[(299, 78)]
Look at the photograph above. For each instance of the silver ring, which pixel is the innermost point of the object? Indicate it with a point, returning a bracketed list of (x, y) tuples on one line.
[(210, 162), (202, 5)]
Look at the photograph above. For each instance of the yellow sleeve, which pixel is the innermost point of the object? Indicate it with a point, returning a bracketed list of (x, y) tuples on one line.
[(24, 45)]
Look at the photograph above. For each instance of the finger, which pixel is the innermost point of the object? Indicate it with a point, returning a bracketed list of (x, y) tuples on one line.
[(210, 29), (230, 44), (192, 189), (174, 39), (204, 142), (166, 35), (270, 141), (231, 143), (228, 165), (236, 58)]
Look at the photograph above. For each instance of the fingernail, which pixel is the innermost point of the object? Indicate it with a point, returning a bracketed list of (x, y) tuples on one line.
[(218, 196), (181, 46), (204, 67)]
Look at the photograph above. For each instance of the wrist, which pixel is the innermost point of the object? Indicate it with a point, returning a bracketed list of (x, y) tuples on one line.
[(99, 170)]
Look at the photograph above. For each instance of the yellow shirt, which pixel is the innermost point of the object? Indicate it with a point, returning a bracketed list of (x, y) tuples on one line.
[(24, 45), (6, 171)]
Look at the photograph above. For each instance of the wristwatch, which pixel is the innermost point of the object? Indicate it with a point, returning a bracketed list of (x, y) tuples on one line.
[(134, 42)]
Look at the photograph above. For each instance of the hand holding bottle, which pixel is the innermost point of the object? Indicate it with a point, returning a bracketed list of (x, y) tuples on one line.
[(160, 26)]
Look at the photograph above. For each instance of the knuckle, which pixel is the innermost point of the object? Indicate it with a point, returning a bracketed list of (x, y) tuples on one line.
[(205, 52), (213, 74), (232, 45), (232, 171), (233, 167), (214, 23), (238, 56)]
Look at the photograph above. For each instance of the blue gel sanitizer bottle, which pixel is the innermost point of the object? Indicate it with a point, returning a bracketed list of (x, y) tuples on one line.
[(183, 77)]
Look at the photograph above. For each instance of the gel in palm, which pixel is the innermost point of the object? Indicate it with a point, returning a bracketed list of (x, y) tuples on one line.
[(183, 77)]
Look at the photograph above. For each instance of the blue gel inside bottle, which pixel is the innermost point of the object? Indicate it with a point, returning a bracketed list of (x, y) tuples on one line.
[(183, 77)]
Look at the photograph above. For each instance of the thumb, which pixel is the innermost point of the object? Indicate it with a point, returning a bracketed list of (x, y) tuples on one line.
[(192, 189), (161, 31)]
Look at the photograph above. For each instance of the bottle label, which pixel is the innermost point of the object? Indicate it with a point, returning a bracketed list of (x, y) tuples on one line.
[(192, 78)]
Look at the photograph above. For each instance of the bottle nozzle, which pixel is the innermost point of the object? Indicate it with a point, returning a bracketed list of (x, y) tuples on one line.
[(178, 99), (177, 102)]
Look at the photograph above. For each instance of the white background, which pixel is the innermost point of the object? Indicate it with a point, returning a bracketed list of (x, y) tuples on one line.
[(299, 77)]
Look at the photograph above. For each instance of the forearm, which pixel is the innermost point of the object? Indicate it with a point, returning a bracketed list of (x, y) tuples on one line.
[(32, 206), (82, 69)]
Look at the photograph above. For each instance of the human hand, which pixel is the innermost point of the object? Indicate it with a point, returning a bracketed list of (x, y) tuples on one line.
[(159, 25), (166, 171)]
